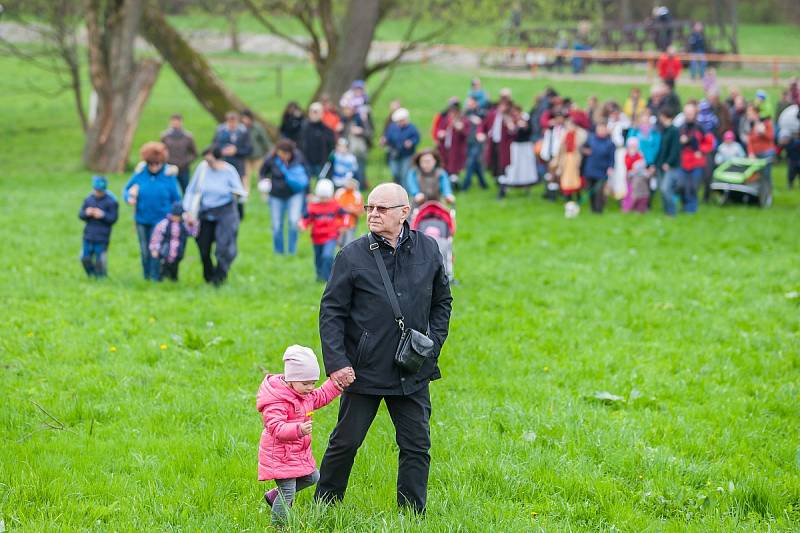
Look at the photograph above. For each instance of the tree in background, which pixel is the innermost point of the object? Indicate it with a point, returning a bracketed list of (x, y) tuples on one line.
[(338, 35), (192, 67), (56, 25), (230, 11), (122, 84)]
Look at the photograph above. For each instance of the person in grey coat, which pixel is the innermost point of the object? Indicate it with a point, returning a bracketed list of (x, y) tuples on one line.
[(211, 198)]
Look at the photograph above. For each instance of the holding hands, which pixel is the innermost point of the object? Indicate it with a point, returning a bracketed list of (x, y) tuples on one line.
[(343, 377)]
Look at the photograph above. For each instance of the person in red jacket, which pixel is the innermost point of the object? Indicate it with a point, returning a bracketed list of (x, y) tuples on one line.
[(696, 144), (669, 66), (326, 219)]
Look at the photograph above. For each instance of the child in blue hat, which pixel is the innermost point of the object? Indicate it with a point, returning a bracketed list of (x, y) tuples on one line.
[(99, 211)]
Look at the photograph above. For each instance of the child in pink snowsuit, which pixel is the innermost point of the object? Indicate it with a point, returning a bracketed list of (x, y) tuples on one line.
[(287, 402)]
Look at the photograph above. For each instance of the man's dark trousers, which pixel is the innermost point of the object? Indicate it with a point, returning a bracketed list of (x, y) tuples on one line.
[(411, 418)]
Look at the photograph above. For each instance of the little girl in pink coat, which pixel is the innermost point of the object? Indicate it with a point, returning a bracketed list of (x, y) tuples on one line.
[(287, 402)]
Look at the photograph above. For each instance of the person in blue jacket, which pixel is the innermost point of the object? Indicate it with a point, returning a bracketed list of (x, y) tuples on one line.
[(598, 165), (99, 211), (152, 192), (401, 140)]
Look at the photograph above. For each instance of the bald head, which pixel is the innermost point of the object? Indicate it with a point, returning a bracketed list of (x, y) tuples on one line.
[(390, 211), (388, 194)]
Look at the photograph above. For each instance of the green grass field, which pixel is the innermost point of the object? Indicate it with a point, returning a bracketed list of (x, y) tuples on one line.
[(152, 387)]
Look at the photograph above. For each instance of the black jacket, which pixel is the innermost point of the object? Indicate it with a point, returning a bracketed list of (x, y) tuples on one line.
[(356, 323), (291, 126), (99, 229), (316, 141)]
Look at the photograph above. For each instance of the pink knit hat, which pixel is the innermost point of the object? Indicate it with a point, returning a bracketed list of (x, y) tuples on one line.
[(300, 364)]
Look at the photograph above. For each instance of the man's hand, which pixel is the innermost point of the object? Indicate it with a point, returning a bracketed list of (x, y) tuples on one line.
[(343, 377), (305, 427), (229, 150)]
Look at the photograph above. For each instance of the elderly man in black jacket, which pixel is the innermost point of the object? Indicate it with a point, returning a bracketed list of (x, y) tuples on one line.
[(360, 335)]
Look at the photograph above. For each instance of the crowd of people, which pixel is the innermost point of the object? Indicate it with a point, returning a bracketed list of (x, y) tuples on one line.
[(631, 151)]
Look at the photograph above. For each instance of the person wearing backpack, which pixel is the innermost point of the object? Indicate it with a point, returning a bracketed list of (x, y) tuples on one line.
[(285, 175)]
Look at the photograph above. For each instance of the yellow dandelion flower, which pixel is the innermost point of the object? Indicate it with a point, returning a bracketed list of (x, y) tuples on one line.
[(310, 413), (113, 349), (29, 334), (534, 514), (546, 369), (163, 346), (152, 320)]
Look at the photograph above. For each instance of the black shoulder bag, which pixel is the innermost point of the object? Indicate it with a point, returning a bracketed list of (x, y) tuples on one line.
[(414, 348)]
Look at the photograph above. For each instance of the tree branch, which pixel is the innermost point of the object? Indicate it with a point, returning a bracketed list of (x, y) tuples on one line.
[(305, 14), (409, 44), (274, 29), (328, 26)]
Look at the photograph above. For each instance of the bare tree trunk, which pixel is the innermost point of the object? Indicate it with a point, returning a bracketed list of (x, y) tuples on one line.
[(233, 31), (734, 26), (122, 85), (346, 62), (75, 83), (192, 68), (625, 11)]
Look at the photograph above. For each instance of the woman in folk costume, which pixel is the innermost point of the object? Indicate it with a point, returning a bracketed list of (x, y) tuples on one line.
[(568, 159), (500, 129), (451, 136), (522, 170), (618, 124)]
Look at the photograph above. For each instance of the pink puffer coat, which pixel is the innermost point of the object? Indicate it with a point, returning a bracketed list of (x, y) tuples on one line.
[(284, 452)]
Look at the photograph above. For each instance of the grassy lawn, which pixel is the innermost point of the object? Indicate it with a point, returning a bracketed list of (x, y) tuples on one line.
[(686, 319)]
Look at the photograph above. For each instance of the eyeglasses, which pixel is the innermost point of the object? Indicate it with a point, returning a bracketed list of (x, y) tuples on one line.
[(381, 209)]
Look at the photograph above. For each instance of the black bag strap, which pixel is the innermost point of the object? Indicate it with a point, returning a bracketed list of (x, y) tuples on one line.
[(387, 283)]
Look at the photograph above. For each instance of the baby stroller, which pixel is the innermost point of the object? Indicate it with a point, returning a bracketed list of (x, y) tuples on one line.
[(437, 221), (742, 178)]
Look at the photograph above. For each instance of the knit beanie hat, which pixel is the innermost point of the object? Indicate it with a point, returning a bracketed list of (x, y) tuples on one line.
[(324, 189), (300, 364)]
